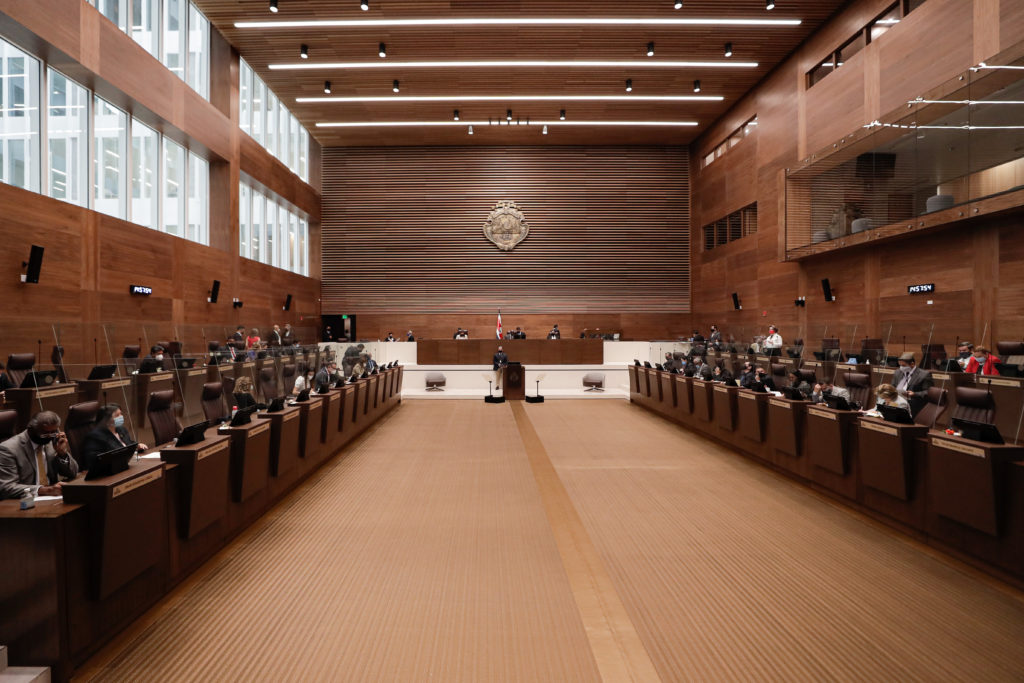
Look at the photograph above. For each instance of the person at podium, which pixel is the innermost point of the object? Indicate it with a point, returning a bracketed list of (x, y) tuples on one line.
[(554, 333), (500, 362), (773, 342), (37, 460), (109, 434)]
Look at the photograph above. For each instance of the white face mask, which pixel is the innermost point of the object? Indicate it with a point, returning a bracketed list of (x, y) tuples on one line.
[(159, 356)]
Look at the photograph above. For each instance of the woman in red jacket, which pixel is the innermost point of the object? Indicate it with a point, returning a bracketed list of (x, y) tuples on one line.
[(982, 361)]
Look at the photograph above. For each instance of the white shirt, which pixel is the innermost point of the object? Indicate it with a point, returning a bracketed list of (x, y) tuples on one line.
[(301, 384), (773, 341)]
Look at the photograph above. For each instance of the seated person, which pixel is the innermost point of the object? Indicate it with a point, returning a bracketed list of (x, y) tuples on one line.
[(670, 361), (245, 394), (303, 382), (886, 394), (800, 385), (390, 337), (762, 377), (697, 337), (747, 375), (720, 374), (156, 353), (519, 334), (983, 362), (554, 333), (964, 352), (702, 370), (36, 461), (109, 434), (462, 334), (327, 374), (827, 388)]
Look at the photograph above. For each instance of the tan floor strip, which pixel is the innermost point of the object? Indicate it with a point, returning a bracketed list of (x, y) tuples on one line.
[(620, 654)]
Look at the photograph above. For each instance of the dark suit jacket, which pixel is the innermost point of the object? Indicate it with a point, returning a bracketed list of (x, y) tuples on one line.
[(500, 359), (275, 338), (705, 372), (237, 336), (919, 382), (18, 466), (99, 441)]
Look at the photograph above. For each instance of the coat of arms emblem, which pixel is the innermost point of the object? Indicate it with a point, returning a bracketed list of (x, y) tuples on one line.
[(506, 226)]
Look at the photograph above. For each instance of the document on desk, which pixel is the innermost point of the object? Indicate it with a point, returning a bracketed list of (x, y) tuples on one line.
[(43, 499)]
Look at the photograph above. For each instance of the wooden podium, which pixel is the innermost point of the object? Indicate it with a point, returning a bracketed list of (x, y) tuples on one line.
[(515, 381)]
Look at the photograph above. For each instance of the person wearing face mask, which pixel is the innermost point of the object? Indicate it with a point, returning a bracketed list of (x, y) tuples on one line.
[(37, 460), (912, 382), (303, 382), (109, 434), (156, 353), (982, 362)]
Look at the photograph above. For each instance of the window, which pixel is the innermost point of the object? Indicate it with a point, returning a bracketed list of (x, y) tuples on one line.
[(290, 261), (736, 225), (293, 142), (174, 190), (198, 52), (115, 10), (303, 154), (303, 268), (145, 25), (259, 203), (269, 255), (270, 231), (244, 96), (258, 115), (110, 153), (67, 125), (885, 22), (174, 18), (198, 211), (145, 181), (19, 118), (244, 204), (263, 116), (735, 138), (271, 122)]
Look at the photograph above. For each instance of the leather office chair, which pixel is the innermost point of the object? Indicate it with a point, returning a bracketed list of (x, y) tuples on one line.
[(228, 391), (594, 381), (933, 356), (859, 386), (19, 365), (8, 424), (975, 405), (779, 374), (807, 376), (213, 401), (80, 421), (161, 416), (268, 384), (130, 357), (435, 381), (935, 406), (168, 362), (1011, 353), (288, 376)]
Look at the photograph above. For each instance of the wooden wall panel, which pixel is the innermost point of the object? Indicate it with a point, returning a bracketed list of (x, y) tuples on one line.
[(609, 230)]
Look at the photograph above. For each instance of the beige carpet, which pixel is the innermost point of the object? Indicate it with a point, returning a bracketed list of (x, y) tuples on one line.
[(574, 540)]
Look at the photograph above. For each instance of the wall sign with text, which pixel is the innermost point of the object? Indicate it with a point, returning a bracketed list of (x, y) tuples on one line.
[(141, 290), (921, 289)]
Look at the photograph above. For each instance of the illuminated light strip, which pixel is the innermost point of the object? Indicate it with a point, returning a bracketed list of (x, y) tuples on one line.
[(983, 65), (516, 63), (515, 21), (878, 124), (968, 102), (518, 98), (497, 122)]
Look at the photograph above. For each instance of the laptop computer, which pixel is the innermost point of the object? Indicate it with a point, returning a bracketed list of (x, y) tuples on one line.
[(39, 378), (111, 462), (837, 402), (659, 366), (953, 365), (303, 396), (894, 414), (192, 434), (977, 431), (185, 363), (150, 365), (102, 372)]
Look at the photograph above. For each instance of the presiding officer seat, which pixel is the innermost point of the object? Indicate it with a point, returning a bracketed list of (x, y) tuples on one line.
[(930, 411), (80, 421), (975, 405), (213, 402), (162, 420), (8, 424), (19, 365)]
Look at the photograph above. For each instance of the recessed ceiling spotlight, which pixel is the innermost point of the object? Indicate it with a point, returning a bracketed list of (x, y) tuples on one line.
[(394, 85), (364, 5), (273, 6), (327, 87), (679, 4), (769, 4), (728, 49), (456, 114), (471, 130), (545, 131), (508, 115), (304, 51), (650, 49), (629, 85), (696, 85), (382, 51), (561, 115)]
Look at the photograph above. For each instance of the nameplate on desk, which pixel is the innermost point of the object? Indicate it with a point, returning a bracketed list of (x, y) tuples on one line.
[(813, 363), (115, 383), (249, 365), (335, 397), (133, 484), (822, 414), (256, 431), (197, 372), (959, 447), (884, 371), (58, 391), (846, 366), (291, 416), (161, 376), (722, 390), (748, 395), (1001, 382), (941, 376), (212, 450), (881, 429), (780, 404)]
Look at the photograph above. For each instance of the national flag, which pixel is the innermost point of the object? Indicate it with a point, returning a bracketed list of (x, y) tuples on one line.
[(499, 324)]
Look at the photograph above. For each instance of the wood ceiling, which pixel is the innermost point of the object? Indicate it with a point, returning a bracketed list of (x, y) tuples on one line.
[(263, 46)]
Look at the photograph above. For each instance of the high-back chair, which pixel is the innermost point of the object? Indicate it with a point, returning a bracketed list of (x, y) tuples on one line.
[(8, 424), (268, 384), (80, 421), (228, 391), (1011, 353), (213, 401), (859, 386), (779, 374), (130, 357), (287, 377), (162, 420), (975, 405), (19, 365), (935, 406), (807, 376)]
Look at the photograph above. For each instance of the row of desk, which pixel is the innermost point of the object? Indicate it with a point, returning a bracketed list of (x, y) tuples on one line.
[(964, 496), (526, 351), (77, 571)]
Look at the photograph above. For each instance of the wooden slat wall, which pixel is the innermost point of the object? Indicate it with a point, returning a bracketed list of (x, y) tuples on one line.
[(609, 230)]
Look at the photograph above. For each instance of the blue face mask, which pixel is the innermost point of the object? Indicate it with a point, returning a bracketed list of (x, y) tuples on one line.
[(119, 421)]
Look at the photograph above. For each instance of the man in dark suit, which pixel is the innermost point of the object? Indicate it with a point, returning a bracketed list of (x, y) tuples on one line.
[(287, 339), (110, 434), (912, 382), (327, 374), (409, 337), (275, 336), (702, 370), (239, 334), (499, 362), (518, 334), (37, 460), (554, 333)]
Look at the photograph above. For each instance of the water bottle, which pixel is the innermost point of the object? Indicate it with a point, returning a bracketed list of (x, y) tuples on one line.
[(234, 409)]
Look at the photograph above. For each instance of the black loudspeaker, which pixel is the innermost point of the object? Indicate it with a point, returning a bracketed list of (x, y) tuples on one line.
[(287, 303), (827, 289), (534, 399), (214, 292), (494, 399), (34, 264), (736, 301)]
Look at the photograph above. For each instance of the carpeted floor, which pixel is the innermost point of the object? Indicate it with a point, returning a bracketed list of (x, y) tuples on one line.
[(571, 540)]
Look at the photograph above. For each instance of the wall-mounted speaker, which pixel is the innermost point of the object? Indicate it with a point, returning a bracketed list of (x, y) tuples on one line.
[(827, 289), (736, 301), (287, 303), (236, 303), (34, 265), (800, 301), (214, 292)]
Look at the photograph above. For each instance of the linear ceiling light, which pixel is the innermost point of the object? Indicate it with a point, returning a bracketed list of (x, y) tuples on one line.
[(516, 21), (521, 98), (516, 64), (414, 124)]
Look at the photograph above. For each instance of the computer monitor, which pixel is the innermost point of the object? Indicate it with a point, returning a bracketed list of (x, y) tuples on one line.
[(1006, 369), (339, 382), (647, 364), (977, 431), (953, 365), (110, 463), (185, 363), (837, 402), (895, 414), (636, 363), (364, 375), (659, 366), (353, 378), (792, 393), (303, 396), (150, 365), (758, 387), (102, 372), (192, 434), (276, 405), (39, 378), (243, 416)]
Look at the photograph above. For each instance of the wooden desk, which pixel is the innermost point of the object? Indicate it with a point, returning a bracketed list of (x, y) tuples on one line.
[(828, 437), (119, 390), (310, 427), (634, 383), (203, 476), (751, 409), (725, 406), (786, 422), (250, 458), (1008, 395), (526, 351), (331, 426), (886, 455), (28, 402), (284, 439), (703, 401), (684, 397), (667, 391)]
